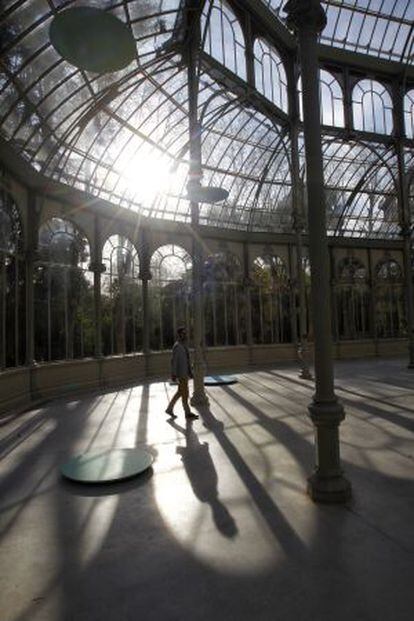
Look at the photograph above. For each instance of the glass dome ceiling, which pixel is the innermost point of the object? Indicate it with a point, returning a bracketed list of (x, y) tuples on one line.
[(124, 136)]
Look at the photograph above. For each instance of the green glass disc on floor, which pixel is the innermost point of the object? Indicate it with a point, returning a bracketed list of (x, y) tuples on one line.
[(107, 465), (219, 380)]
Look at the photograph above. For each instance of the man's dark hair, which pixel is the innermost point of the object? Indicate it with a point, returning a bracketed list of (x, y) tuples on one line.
[(181, 329)]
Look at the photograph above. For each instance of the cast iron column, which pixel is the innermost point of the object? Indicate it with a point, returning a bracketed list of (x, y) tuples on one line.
[(298, 223), (97, 268), (145, 275), (247, 286), (327, 484), (199, 397), (30, 261)]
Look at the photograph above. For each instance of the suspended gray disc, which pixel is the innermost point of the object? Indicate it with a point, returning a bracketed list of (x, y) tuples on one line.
[(106, 465), (206, 194), (92, 39)]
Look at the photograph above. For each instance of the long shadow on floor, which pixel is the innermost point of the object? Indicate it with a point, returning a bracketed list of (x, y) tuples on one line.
[(203, 477), (392, 417), (277, 523), (302, 450)]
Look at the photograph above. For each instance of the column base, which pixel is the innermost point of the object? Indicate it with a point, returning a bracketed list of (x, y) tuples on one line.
[(199, 399), (305, 374), (303, 357), (410, 355), (329, 490)]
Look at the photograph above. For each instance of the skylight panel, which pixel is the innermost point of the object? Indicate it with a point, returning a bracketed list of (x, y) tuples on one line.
[(342, 26), (332, 21), (356, 27), (390, 35)]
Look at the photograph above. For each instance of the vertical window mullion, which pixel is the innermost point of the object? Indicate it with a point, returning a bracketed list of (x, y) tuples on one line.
[(16, 311), (3, 311)]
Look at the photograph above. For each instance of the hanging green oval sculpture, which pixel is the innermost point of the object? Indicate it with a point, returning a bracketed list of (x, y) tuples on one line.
[(92, 39)]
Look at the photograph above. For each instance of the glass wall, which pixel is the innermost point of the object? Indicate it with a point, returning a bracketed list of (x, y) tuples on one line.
[(224, 305), (12, 285), (171, 269), (389, 299), (352, 299), (271, 301), (121, 297), (64, 316)]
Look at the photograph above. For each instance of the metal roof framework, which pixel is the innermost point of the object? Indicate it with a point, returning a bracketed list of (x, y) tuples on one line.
[(124, 136)]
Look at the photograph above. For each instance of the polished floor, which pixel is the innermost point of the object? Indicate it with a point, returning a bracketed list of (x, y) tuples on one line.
[(221, 528)]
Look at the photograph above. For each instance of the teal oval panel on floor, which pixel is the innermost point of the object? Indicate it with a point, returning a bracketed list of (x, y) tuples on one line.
[(218, 380), (107, 465)]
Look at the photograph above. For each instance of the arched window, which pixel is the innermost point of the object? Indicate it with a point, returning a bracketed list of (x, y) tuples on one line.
[(390, 318), (270, 74), (12, 285), (330, 98), (121, 297), (223, 37), (352, 299), (372, 107), (271, 306), (223, 300), (64, 321), (171, 269), (409, 114)]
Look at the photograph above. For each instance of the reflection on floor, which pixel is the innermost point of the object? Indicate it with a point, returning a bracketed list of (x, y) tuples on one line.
[(221, 527)]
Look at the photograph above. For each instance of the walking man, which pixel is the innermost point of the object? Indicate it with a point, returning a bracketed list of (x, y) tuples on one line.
[(181, 372)]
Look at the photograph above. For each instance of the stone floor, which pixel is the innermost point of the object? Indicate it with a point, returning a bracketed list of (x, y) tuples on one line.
[(221, 527)]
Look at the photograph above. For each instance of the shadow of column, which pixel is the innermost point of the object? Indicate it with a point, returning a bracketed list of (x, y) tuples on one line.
[(276, 521)]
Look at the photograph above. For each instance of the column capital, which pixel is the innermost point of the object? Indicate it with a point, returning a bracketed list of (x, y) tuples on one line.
[(305, 14), (30, 255), (248, 281), (145, 274), (96, 266), (406, 231), (299, 221)]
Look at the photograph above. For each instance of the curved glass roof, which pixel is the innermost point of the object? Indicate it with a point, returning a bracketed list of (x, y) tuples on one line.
[(381, 28), (124, 136)]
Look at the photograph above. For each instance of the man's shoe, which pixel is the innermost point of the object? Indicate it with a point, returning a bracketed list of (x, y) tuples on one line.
[(170, 413), (191, 415)]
